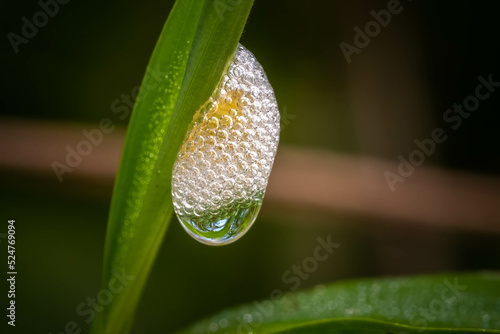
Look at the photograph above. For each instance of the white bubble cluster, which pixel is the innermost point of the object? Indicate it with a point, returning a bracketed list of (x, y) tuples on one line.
[(221, 171)]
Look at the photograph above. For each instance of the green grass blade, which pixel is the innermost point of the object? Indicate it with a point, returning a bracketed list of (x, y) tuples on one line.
[(192, 52), (462, 303)]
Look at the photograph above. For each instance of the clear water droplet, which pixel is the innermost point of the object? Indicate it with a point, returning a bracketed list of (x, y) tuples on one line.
[(219, 178)]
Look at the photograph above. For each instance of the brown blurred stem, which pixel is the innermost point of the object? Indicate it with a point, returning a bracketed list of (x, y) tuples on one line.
[(303, 180)]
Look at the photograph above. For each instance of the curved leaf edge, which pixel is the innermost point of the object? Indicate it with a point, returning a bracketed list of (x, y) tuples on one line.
[(369, 325)]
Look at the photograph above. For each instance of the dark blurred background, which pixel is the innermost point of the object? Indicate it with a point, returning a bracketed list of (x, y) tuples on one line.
[(343, 126)]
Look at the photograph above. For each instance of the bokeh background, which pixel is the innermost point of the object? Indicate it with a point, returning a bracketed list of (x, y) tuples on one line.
[(344, 124)]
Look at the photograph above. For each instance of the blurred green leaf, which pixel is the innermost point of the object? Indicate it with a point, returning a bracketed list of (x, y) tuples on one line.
[(189, 59), (465, 303)]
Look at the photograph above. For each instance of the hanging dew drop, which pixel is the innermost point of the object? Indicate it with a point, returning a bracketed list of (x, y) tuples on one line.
[(221, 172)]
